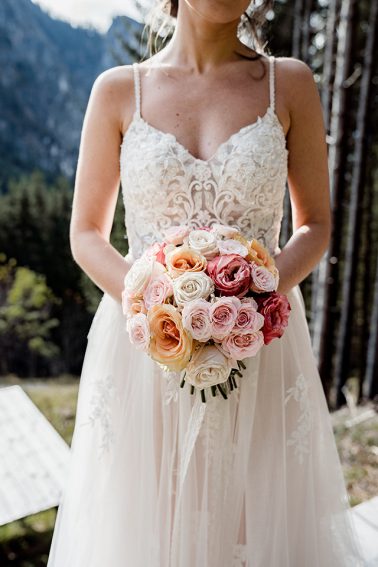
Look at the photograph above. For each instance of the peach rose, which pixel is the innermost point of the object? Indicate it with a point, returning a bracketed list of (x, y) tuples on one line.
[(183, 259), (170, 345), (132, 305), (259, 254)]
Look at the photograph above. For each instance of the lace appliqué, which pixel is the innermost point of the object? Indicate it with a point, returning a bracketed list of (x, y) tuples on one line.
[(300, 436), (173, 386), (242, 185), (103, 392)]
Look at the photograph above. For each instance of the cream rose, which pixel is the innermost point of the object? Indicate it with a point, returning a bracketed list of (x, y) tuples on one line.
[(176, 234), (191, 286), (208, 367), (204, 242), (139, 275), (231, 246), (223, 230)]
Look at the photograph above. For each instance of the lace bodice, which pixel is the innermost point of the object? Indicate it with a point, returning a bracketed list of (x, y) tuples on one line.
[(242, 184)]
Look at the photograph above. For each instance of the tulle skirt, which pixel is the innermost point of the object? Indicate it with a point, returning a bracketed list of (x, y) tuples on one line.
[(157, 478)]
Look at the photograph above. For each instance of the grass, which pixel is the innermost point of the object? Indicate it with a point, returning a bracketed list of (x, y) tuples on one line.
[(358, 450), (26, 542)]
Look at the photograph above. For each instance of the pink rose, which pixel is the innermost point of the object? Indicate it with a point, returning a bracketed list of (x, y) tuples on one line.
[(132, 305), (223, 313), (242, 344), (248, 318), (263, 280), (139, 331), (231, 274), (176, 234), (158, 290), (276, 310), (156, 252), (196, 319)]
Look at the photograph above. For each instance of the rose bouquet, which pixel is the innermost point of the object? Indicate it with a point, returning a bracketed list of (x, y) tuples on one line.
[(203, 300)]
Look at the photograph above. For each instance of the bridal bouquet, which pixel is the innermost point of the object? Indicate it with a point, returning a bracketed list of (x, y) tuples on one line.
[(203, 300)]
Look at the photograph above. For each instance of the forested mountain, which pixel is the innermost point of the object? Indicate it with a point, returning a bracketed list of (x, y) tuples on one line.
[(48, 68)]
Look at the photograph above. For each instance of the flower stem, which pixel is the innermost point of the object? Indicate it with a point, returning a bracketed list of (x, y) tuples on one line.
[(222, 391)]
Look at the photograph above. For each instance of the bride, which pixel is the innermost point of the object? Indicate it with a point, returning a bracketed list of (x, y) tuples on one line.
[(205, 131)]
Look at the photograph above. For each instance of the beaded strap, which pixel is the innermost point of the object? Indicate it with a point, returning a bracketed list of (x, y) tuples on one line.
[(136, 88), (271, 82)]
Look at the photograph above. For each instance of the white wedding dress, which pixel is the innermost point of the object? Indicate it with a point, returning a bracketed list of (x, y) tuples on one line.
[(156, 477)]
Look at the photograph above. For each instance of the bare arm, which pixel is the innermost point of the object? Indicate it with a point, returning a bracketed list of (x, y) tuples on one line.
[(308, 177), (97, 186)]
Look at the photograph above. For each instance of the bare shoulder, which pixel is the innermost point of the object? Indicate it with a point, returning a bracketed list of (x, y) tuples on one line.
[(296, 80), (113, 93)]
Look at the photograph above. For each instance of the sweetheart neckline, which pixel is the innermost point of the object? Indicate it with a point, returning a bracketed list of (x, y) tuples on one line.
[(269, 111)]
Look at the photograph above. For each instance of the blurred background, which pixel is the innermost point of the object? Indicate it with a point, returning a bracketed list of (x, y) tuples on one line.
[(50, 54)]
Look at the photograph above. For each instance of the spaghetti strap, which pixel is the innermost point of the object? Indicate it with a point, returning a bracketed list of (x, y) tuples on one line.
[(271, 82), (137, 88)]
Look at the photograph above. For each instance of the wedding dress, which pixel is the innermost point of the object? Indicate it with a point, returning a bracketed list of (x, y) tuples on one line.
[(157, 478)]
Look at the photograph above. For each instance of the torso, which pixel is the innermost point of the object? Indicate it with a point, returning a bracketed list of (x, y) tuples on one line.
[(202, 112)]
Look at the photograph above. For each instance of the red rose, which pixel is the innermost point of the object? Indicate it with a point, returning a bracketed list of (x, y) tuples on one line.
[(231, 274), (276, 309)]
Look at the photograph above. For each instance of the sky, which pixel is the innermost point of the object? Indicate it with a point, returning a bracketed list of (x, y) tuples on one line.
[(97, 13)]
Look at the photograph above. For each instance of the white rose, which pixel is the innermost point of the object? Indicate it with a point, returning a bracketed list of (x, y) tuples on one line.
[(204, 242), (190, 286), (231, 246), (223, 230), (139, 275), (208, 367)]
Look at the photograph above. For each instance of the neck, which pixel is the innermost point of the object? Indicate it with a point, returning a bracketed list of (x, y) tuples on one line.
[(200, 44)]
